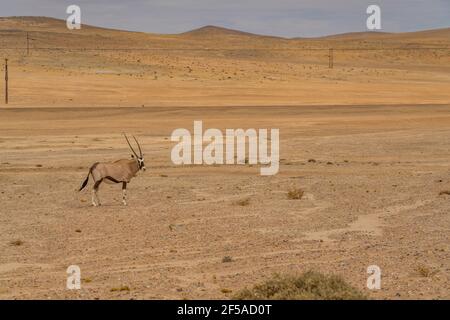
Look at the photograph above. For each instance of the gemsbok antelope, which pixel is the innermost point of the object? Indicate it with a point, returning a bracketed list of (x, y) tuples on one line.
[(120, 171)]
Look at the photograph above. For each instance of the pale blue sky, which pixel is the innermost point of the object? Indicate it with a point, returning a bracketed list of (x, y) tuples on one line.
[(288, 18)]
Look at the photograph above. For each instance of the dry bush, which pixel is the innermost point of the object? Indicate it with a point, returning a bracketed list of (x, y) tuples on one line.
[(425, 271), (243, 202), (295, 194), (310, 285), (121, 288), (445, 192), (227, 259), (16, 243)]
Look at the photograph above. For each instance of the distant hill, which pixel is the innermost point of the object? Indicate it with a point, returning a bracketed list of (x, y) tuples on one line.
[(27, 23), (207, 31), (357, 35), (216, 33), (436, 34)]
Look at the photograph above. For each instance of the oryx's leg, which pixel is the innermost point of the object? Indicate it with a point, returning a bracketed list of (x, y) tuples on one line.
[(124, 193), (93, 198), (95, 195)]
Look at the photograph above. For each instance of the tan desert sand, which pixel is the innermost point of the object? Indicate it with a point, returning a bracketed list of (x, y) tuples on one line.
[(368, 141)]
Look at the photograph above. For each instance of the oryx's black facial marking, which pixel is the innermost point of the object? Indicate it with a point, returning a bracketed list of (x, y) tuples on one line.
[(141, 163)]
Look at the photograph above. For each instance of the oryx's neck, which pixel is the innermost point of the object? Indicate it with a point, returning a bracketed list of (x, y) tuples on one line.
[(134, 165)]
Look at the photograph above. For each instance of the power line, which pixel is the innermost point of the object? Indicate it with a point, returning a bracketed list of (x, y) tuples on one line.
[(220, 49)]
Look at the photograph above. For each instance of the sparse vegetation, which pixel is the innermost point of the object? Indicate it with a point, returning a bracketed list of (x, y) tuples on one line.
[(445, 192), (295, 193), (16, 243), (121, 288), (225, 291), (227, 259), (425, 271), (310, 285), (243, 202)]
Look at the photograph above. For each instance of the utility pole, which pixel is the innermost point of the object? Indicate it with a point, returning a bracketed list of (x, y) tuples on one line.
[(28, 44), (6, 81), (330, 58)]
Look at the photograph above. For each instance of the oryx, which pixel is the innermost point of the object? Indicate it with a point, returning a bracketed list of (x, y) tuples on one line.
[(120, 171)]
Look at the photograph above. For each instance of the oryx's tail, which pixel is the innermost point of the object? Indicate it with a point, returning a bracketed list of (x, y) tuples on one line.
[(85, 182), (87, 178)]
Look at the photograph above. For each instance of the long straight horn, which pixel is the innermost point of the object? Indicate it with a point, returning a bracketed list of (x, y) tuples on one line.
[(129, 144), (139, 146)]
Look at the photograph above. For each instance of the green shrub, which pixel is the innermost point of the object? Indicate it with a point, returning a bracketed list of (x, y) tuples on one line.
[(310, 285)]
